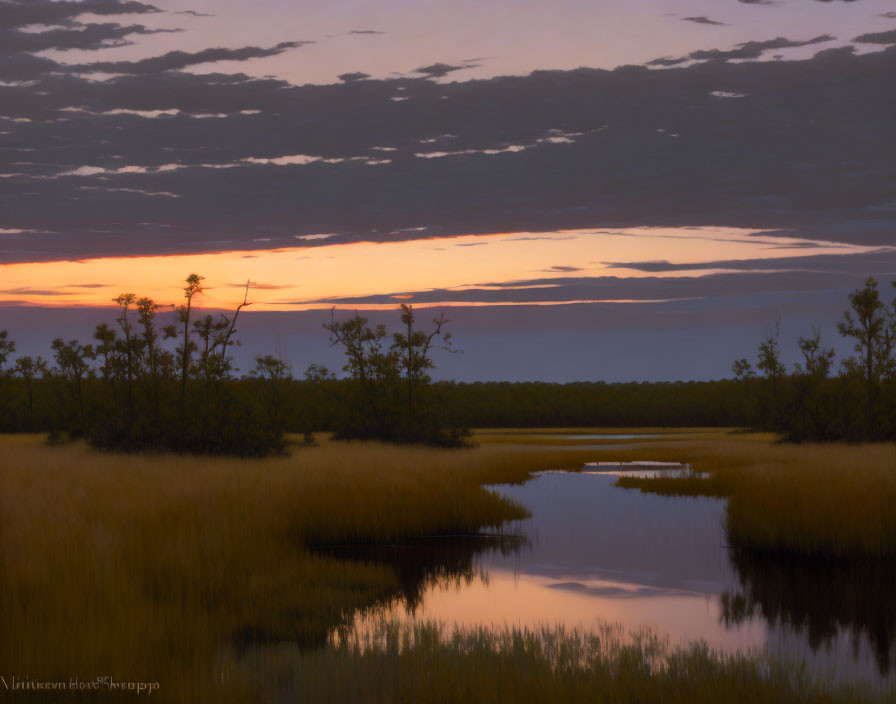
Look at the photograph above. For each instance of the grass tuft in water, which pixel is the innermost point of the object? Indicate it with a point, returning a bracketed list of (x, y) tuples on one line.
[(832, 500)]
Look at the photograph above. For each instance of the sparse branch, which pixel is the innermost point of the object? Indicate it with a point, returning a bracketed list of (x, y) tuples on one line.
[(232, 328)]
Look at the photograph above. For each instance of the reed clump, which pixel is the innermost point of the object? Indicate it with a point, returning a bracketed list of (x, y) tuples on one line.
[(831, 500), (427, 663)]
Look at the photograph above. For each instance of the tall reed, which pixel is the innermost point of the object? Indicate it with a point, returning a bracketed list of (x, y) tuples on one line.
[(429, 663)]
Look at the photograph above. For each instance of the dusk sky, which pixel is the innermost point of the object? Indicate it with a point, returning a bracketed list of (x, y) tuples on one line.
[(591, 190)]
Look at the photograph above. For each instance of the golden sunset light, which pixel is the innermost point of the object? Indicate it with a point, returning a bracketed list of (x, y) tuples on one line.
[(303, 278)]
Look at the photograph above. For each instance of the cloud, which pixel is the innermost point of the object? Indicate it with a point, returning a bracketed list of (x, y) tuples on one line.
[(599, 288), (875, 261), (354, 76), (89, 37), (877, 38), (614, 591), (703, 20), (530, 238), (17, 13), (23, 67), (748, 279), (32, 292), (757, 2), (365, 31), (175, 60), (745, 50), (194, 13), (260, 287), (556, 269), (54, 27), (549, 151), (440, 70), (666, 61)]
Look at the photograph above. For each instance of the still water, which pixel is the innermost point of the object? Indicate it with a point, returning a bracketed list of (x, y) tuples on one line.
[(592, 552), (580, 436)]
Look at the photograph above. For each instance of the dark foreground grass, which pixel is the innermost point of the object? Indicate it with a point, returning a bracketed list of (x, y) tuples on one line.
[(426, 663)]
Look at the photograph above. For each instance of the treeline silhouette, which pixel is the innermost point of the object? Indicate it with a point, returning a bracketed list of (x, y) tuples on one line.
[(142, 386), (388, 394), (821, 597), (540, 404), (813, 403), (128, 390)]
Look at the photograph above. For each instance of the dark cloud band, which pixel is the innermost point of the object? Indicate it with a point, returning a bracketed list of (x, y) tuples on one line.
[(156, 160), (175, 60)]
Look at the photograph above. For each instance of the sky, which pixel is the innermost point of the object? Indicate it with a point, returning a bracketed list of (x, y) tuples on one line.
[(590, 190)]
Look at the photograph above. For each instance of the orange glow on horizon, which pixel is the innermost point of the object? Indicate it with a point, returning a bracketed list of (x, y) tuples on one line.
[(304, 278)]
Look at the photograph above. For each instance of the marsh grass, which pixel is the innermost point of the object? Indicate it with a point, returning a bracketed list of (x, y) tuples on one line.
[(147, 567), (426, 662), (168, 568), (828, 501), (812, 499), (558, 437), (677, 486)]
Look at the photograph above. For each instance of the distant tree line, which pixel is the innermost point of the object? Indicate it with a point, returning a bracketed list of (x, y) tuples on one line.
[(819, 401), (497, 404), (142, 386), (133, 388), (127, 390), (130, 389)]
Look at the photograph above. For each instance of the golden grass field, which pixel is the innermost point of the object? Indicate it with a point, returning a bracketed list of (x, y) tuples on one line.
[(162, 568), (146, 567)]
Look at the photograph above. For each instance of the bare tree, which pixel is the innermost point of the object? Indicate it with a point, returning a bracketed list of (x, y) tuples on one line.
[(413, 347), (193, 288), (873, 328), (808, 380), (770, 364), (157, 360), (125, 301)]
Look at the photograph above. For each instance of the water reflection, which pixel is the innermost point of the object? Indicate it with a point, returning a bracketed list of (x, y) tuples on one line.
[(431, 563), (597, 553), (819, 599), (597, 436), (577, 436)]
